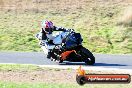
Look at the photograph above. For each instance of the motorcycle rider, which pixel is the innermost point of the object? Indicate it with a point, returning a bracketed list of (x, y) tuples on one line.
[(47, 32)]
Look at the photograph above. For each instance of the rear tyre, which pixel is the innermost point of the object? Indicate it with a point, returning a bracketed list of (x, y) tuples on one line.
[(87, 56)]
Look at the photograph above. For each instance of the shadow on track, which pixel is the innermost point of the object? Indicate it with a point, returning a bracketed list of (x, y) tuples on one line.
[(108, 64), (96, 64)]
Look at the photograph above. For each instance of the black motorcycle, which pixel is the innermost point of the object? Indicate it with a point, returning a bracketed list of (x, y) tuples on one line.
[(72, 50)]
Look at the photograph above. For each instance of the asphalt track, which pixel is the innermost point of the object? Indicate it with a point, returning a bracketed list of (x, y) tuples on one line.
[(38, 58)]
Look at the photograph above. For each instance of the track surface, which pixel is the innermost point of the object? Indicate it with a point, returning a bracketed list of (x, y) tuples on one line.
[(38, 58)]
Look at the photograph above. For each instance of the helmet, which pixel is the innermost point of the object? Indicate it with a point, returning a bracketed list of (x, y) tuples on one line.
[(46, 24)]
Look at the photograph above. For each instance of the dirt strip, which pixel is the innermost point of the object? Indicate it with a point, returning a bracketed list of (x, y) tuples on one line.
[(47, 75)]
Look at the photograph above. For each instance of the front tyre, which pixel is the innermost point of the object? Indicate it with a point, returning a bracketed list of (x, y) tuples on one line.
[(87, 56)]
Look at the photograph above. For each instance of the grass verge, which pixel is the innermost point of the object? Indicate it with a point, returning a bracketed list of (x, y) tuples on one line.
[(53, 85), (18, 67), (17, 76), (95, 19)]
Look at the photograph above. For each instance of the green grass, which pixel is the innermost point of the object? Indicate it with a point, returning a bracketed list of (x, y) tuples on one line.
[(18, 67), (55, 85), (96, 22)]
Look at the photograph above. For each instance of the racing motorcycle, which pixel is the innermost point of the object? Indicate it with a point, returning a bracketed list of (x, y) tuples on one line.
[(67, 46)]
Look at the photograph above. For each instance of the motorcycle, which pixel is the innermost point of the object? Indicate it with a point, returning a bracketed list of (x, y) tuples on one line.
[(67, 46)]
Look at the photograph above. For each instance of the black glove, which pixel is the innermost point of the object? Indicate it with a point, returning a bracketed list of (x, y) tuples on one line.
[(62, 29), (50, 42), (71, 30)]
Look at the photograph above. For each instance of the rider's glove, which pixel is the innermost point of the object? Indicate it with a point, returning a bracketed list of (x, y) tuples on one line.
[(70, 30), (64, 30)]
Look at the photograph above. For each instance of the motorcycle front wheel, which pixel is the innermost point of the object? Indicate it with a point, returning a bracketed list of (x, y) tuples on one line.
[(87, 56)]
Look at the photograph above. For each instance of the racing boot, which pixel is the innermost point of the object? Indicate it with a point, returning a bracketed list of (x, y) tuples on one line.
[(49, 55)]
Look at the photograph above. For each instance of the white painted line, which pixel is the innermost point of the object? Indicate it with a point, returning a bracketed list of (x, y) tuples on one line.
[(102, 69), (125, 71)]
